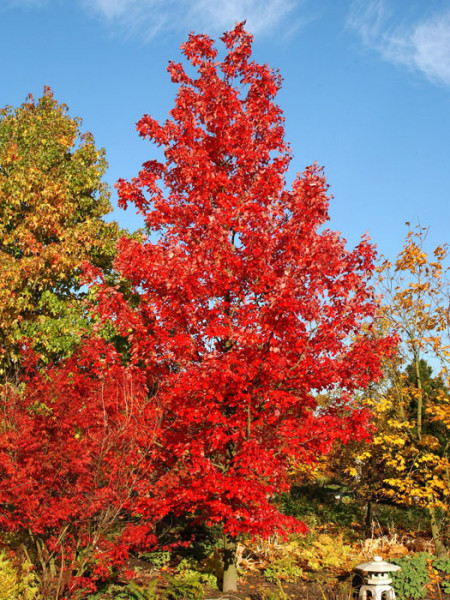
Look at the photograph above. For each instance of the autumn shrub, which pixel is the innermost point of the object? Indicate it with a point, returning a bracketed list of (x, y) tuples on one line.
[(300, 557), (17, 582), (74, 457), (327, 552)]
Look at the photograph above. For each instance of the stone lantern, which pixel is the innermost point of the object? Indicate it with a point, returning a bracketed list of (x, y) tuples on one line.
[(376, 578)]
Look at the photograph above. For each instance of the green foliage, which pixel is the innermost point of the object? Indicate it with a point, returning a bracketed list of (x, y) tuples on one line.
[(188, 587), (404, 518), (285, 568), (317, 505), (131, 591), (186, 584), (157, 559), (16, 583), (410, 582), (189, 570), (442, 565)]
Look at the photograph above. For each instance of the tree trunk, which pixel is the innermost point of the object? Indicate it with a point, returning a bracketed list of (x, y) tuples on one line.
[(369, 516), (229, 565), (419, 396), (439, 545)]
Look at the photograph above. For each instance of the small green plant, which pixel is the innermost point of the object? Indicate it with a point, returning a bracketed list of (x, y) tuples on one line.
[(411, 581), (443, 566), (284, 568), (16, 582), (189, 569), (157, 559), (131, 591), (184, 588)]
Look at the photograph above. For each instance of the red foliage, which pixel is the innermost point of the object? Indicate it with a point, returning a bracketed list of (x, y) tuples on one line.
[(247, 308), (76, 440)]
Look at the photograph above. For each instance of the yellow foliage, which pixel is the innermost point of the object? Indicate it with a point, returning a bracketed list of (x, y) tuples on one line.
[(351, 471), (16, 583), (326, 552), (364, 455), (387, 440), (303, 554), (441, 412)]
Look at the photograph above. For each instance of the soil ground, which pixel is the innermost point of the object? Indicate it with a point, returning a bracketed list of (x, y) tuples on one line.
[(253, 588)]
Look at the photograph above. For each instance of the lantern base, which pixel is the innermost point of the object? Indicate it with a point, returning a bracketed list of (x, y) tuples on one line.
[(376, 592)]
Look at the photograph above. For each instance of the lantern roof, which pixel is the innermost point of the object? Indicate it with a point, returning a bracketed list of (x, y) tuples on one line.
[(378, 565)]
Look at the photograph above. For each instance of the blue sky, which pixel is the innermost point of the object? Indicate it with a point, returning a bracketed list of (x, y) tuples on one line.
[(366, 90)]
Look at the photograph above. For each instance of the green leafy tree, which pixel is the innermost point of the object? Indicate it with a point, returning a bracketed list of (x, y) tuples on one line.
[(52, 200)]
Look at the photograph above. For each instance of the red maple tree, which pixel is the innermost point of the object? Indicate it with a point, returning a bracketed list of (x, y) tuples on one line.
[(245, 308)]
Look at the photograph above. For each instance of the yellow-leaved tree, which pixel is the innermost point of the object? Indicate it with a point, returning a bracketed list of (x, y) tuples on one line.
[(407, 461)]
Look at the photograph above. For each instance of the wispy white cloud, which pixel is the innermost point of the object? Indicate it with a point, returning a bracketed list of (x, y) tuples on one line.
[(262, 16), (25, 3), (423, 45), (150, 17)]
